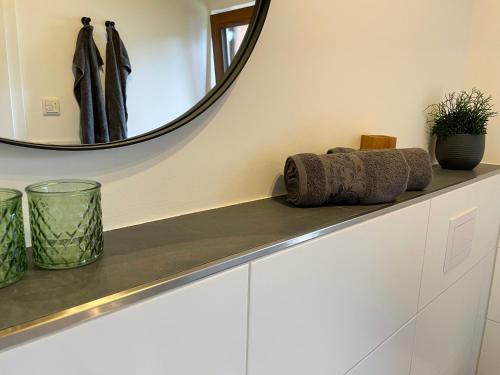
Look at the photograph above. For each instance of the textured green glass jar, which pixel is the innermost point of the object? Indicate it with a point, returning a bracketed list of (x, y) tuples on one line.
[(13, 261), (66, 223)]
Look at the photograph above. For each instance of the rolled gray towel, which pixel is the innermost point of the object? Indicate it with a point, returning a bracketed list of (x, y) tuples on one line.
[(306, 180), (418, 159), (421, 172), (346, 178), (341, 150)]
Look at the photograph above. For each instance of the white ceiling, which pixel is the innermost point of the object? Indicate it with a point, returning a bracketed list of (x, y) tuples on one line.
[(222, 4)]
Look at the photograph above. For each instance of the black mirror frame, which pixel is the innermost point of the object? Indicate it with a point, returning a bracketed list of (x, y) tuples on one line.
[(251, 38)]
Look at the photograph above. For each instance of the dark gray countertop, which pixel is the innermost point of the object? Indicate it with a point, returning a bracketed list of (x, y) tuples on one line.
[(147, 259)]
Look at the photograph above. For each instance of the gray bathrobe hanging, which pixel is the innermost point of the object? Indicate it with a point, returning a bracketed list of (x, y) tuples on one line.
[(88, 91), (118, 69)]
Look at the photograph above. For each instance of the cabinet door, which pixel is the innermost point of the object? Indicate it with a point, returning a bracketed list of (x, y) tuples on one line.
[(494, 310), (393, 357), (482, 312), (482, 196), (490, 360), (447, 328), (321, 307), (197, 329)]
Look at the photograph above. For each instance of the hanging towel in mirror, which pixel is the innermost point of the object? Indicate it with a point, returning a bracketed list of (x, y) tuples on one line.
[(118, 69), (87, 63)]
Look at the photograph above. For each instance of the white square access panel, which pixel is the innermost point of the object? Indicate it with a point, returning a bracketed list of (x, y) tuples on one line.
[(460, 236)]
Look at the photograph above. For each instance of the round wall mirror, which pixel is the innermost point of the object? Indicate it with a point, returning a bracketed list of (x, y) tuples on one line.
[(97, 74)]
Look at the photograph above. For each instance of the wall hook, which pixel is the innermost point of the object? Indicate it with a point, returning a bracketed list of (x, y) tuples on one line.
[(86, 21)]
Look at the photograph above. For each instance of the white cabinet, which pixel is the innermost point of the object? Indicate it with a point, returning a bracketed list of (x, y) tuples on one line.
[(482, 195), (321, 307), (197, 329), (490, 360), (372, 299), (482, 311), (494, 312), (393, 357), (446, 342)]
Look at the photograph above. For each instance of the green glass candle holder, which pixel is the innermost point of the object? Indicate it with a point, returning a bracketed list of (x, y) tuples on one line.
[(66, 223), (13, 260)]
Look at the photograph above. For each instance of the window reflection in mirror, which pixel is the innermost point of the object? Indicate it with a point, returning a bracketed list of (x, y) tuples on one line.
[(174, 57), (229, 27), (233, 38)]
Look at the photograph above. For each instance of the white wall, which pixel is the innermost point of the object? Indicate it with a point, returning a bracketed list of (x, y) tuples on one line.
[(167, 42), (483, 72), (6, 123), (323, 73), (10, 69)]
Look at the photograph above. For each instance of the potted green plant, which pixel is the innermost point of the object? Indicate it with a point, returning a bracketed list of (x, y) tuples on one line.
[(460, 125)]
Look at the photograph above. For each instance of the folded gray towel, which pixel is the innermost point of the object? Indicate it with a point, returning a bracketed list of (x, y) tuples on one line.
[(418, 159), (361, 177)]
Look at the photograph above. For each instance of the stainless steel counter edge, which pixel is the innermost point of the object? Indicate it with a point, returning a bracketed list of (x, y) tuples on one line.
[(51, 324)]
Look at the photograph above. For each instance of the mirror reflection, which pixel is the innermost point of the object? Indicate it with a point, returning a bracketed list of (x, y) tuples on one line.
[(91, 72)]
